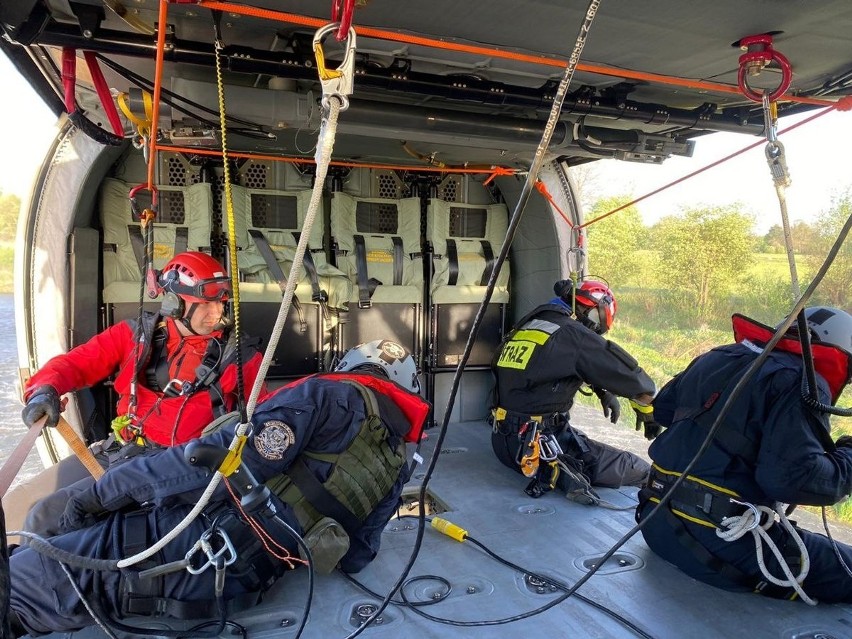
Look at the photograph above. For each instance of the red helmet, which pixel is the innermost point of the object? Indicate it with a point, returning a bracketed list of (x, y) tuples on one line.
[(598, 304), (196, 277)]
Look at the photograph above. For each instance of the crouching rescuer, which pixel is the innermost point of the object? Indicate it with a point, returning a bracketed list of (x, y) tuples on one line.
[(539, 368), (324, 456)]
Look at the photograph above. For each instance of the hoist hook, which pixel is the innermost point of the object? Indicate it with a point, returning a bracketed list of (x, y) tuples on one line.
[(759, 53), (336, 82)]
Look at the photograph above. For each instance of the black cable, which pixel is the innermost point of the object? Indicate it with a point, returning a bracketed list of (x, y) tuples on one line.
[(413, 605), (523, 198), (310, 559), (253, 130), (834, 544)]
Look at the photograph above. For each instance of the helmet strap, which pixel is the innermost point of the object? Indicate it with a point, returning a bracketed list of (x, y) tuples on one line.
[(186, 319)]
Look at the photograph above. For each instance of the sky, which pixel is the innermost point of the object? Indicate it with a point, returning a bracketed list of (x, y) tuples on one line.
[(818, 156)]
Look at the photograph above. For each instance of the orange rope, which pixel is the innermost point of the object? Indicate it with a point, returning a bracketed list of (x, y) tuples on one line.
[(542, 188), (492, 171), (264, 537), (841, 106), (158, 79), (383, 34)]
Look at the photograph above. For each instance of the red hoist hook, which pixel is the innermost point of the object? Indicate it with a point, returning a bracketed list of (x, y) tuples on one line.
[(759, 53)]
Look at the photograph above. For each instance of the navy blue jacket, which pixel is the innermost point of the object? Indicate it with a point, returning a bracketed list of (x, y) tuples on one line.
[(788, 461)]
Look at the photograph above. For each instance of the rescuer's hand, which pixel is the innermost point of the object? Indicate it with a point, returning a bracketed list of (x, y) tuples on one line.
[(83, 510), (609, 403), (844, 441), (43, 401), (645, 418)]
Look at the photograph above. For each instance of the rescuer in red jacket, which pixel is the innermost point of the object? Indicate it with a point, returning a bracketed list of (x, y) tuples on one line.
[(184, 362)]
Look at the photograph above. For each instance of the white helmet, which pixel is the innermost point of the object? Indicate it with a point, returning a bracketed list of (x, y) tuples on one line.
[(383, 357), (830, 326)]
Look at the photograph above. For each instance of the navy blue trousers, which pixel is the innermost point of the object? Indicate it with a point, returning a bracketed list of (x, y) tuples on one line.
[(45, 601), (827, 581)]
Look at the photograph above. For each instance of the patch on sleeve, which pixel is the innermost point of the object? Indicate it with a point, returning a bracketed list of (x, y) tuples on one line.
[(274, 439)]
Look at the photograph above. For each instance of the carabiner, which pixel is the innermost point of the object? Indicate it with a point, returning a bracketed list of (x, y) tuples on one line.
[(335, 82)]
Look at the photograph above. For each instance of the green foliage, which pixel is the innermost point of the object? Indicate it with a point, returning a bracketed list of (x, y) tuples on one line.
[(10, 204), (614, 241), (704, 252), (834, 288), (7, 255)]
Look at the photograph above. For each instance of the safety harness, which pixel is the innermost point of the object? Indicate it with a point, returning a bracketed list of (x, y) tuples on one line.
[(154, 337)]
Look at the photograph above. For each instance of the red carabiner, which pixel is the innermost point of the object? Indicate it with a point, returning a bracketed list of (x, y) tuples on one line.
[(345, 20), (759, 53), (142, 216)]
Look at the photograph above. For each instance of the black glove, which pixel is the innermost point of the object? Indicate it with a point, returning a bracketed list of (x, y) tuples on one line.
[(844, 441), (645, 417), (43, 401), (609, 403), (83, 510)]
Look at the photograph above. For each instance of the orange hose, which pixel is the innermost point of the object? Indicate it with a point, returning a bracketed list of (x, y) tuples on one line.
[(492, 171)]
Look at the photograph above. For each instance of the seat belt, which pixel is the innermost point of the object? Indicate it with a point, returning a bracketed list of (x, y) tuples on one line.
[(397, 260), (138, 245), (361, 267), (489, 262), (274, 267), (181, 240), (453, 257)]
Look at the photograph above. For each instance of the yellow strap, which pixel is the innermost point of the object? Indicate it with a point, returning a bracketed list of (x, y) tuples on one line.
[(143, 127), (78, 446)]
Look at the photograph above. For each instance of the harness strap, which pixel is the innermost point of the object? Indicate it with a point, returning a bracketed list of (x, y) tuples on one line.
[(322, 501), (178, 609), (696, 500), (453, 260), (274, 267)]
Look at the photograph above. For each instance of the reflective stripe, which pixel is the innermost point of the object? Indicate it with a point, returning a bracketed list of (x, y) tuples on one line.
[(696, 480)]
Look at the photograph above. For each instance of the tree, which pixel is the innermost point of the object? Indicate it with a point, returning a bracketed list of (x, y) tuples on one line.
[(703, 252), (615, 240), (10, 205), (834, 288)]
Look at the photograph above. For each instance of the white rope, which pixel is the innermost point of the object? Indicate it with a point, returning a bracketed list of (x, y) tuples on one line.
[(323, 157), (325, 144), (749, 521)]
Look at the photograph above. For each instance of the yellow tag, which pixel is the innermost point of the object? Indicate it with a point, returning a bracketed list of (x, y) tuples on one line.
[(233, 459), (499, 414)]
